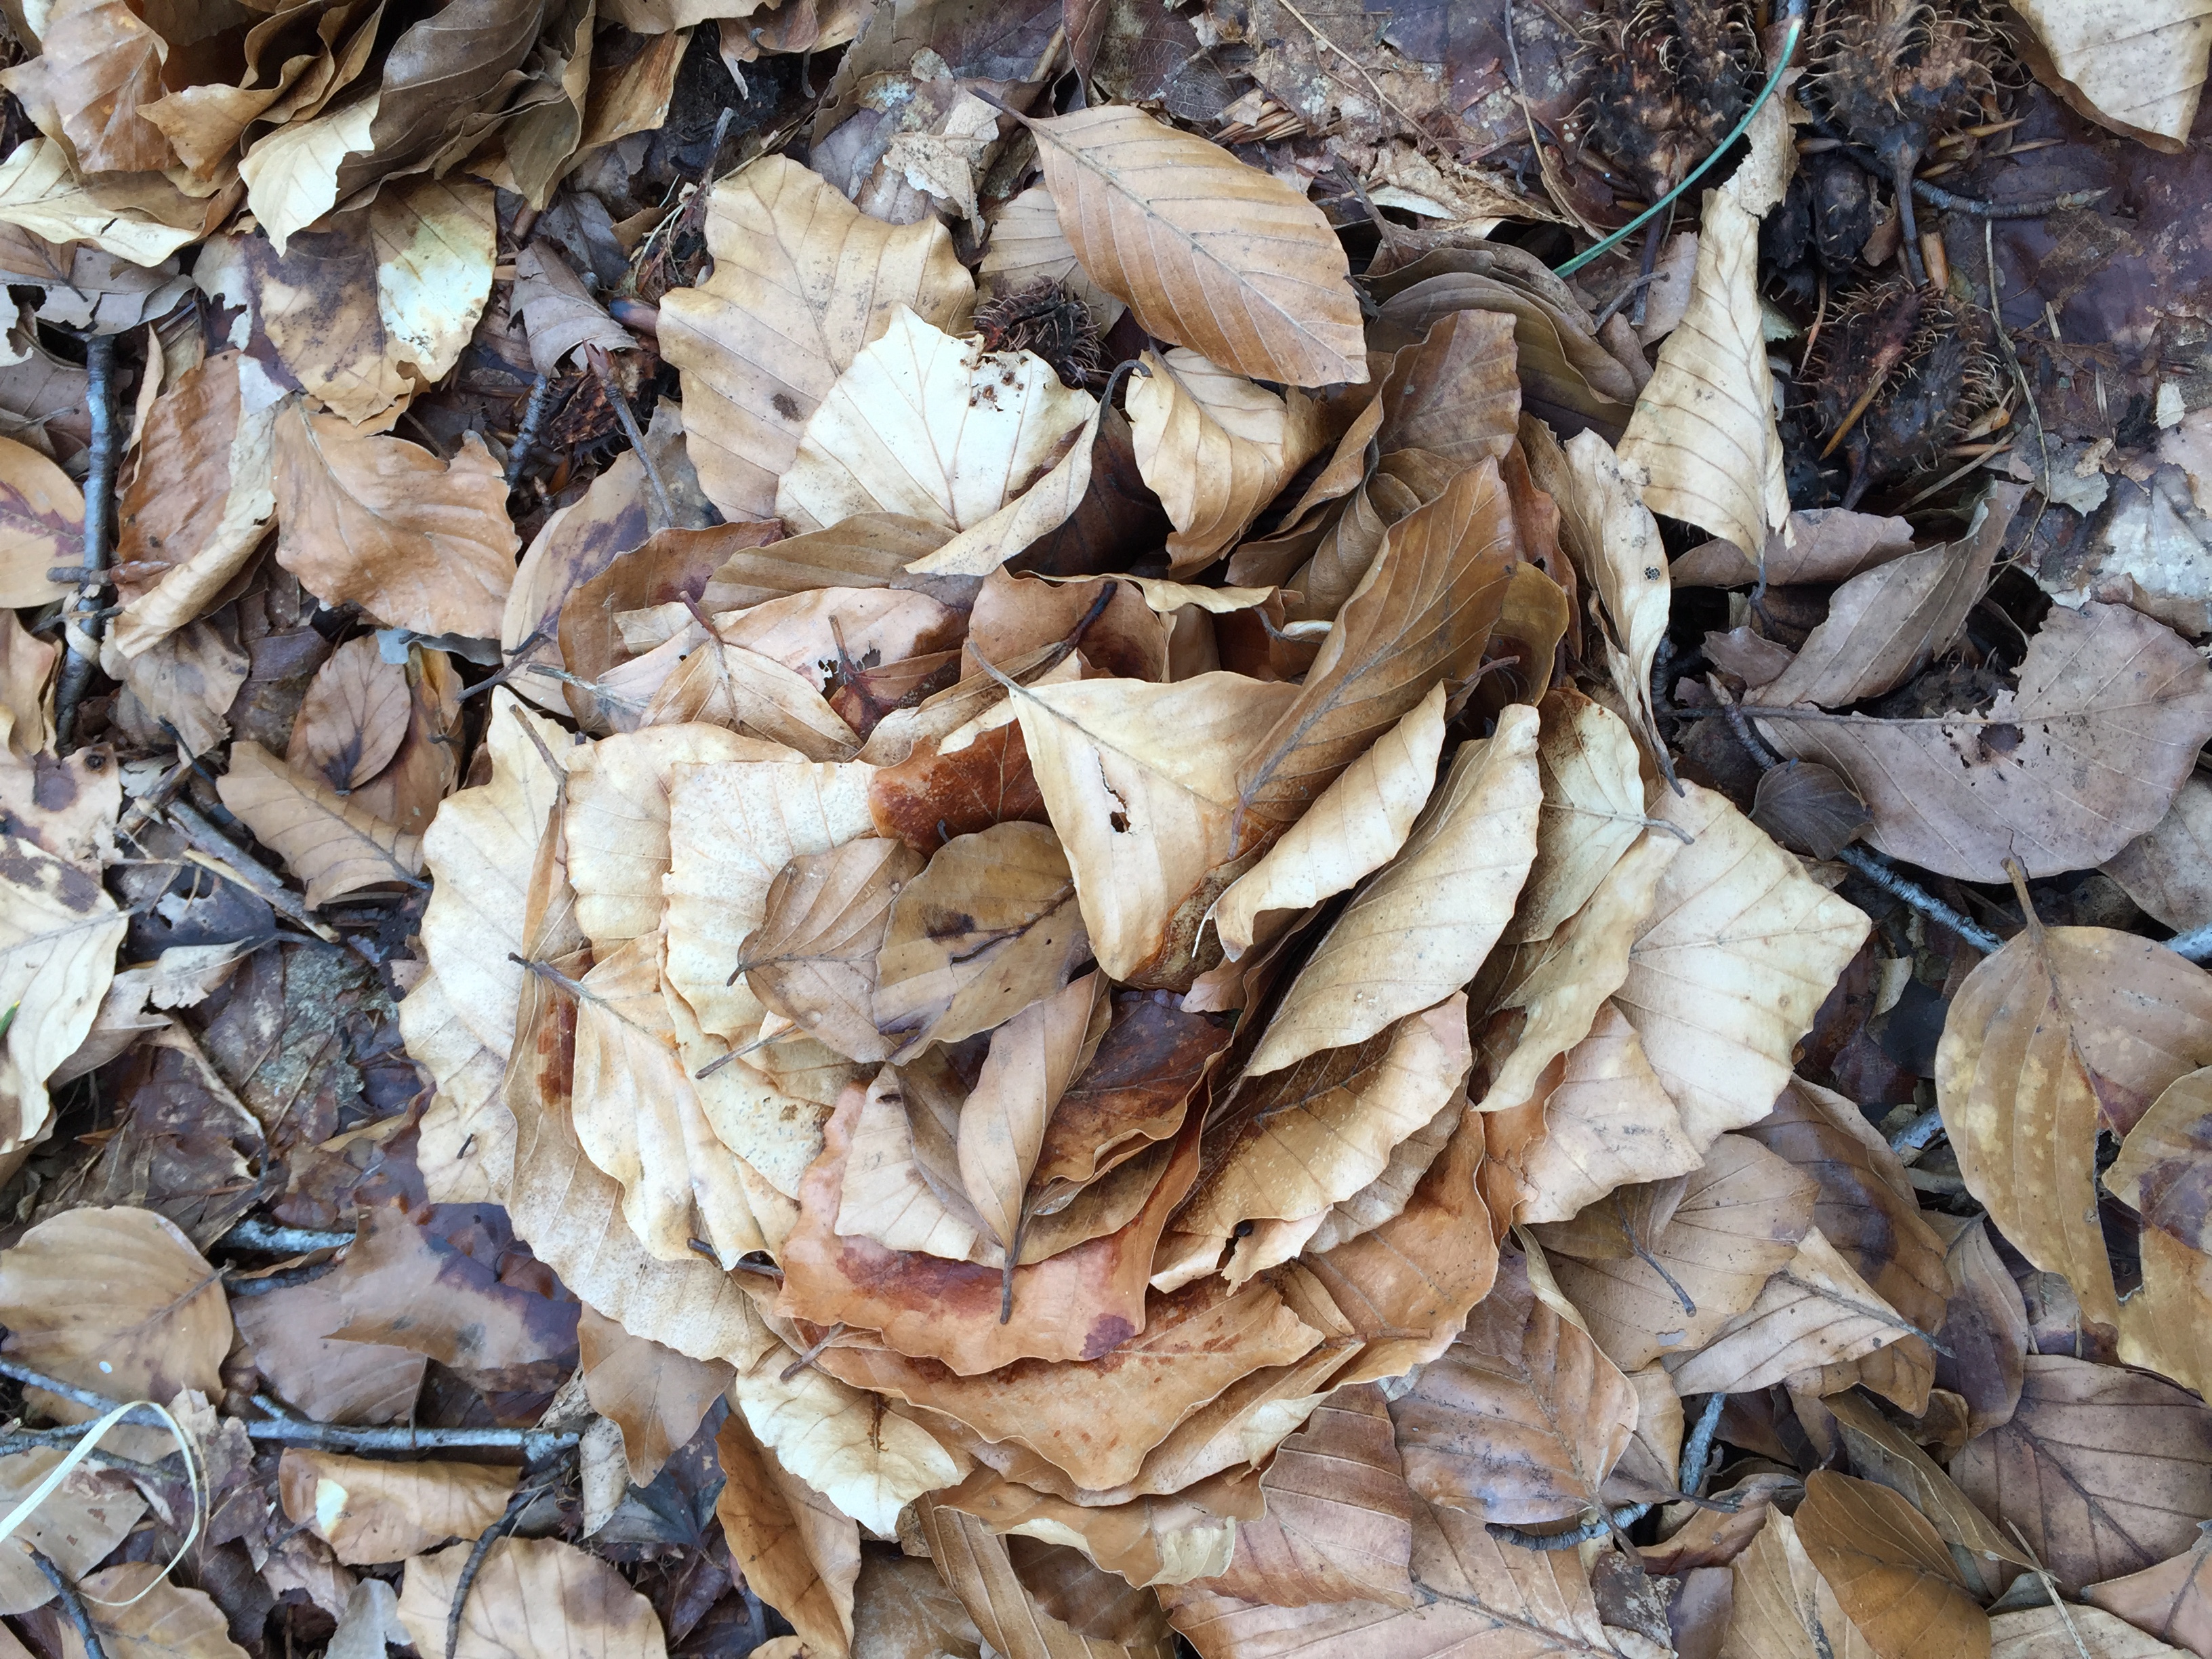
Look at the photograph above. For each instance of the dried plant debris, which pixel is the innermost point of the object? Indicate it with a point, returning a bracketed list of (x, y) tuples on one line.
[(1097, 829)]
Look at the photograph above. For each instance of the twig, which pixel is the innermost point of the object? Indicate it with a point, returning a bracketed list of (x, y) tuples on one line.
[(1918, 1135), (287, 1241), (84, 622), (1936, 197), (523, 1497), (1574, 1537), (214, 851), (813, 1353), (666, 511), (337, 1437), (1697, 1451), (2196, 944), (16, 1440), (506, 670), (1643, 1253), (526, 436), (72, 1603)]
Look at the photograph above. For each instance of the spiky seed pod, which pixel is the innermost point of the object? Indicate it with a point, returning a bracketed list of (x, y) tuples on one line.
[(1897, 74), (1899, 372), (1670, 78), (1046, 318)]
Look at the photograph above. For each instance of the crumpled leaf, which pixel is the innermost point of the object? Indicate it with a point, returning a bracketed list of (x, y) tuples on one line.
[(1214, 448), (333, 846), (802, 281), (797, 1551), (1703, 431), (2137, 70)]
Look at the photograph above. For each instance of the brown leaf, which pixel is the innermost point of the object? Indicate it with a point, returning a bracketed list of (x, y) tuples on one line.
[(416, 542), (2085, 755), (2032, 1632), (972, 1560), (2064, 1032), (1089, 1600), (59, 930), (1984, 1559), (1307, 1137), (1214, 448), (802, 281), (797, 1551), (1985, 1326), (532, 1598), (1175, 226), (731, 827), (117, 1301), (2171, 1600), (334, 846), (1889, 1571), (1783, 1608), (2163, 869), (1822, 544), (401, 1286), (1741, 950), (903, 1610), (1486, 1597), (103, 62), (1725, 1228), (1809, 809), (1138, 782), (1145, 1542), (1133, 1092), (1096, 1419), (143, 1616), (658, 1396), (1337, 1525), (1077, 1305), (1814, 1312), (1522, 1419), (1032, 1058), (1884, 626), (1424, 614), (1423, 926), (559, 312), (75, 1527), (370, 1511), (2104, 1471), (813, 957), (352, 718), (891, 1192), (41, 524), (989, 928)]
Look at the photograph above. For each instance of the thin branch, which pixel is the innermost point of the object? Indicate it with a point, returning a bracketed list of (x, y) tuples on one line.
[(1697, 1451), (72, 1603), (1574, 1537), (526, 436), (85, 621), (664, 510), (2196, 944), (286, 1241), (338, 1437)]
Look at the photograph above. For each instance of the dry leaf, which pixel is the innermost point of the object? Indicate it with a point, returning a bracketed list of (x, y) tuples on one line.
[(1139, 780), (416, 542), (59, 930), (1032, 1059), (1725, 1228), (1741, 951), (1311, 1134), (795, 1549), (2063, 1033), (802, 281), (1889, 1571), (1424, 924), (927, 425), (1339, 1522), (2035, 1631), (1987, 1559), (974, 1561), (332, 845), (731, 827), (1522, 1419), (2168, 1600), (2085, 755), (41, 524), (117, 1301), (76, 1527), (1176, 226), (1355, 827), (987, 928), (1886, 625), (2104, 1471), (371, 1511), (143, 1616), (1145, 1542), (813, 957), (1783, 1608), (1815, 1311), (532, 1598), (1027, 246), (658, 1397), (2135, 69), (903, 1610), (1703, 434), (1213, 447), (352, 718), (2164, 869)]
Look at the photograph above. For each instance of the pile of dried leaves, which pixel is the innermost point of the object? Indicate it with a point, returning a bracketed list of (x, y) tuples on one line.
[(1032, 848)]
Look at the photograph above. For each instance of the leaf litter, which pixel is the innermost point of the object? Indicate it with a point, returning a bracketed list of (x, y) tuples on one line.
[(1094, 830)]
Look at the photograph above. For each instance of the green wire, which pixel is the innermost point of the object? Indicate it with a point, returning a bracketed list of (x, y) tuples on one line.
[(1788, 51)]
